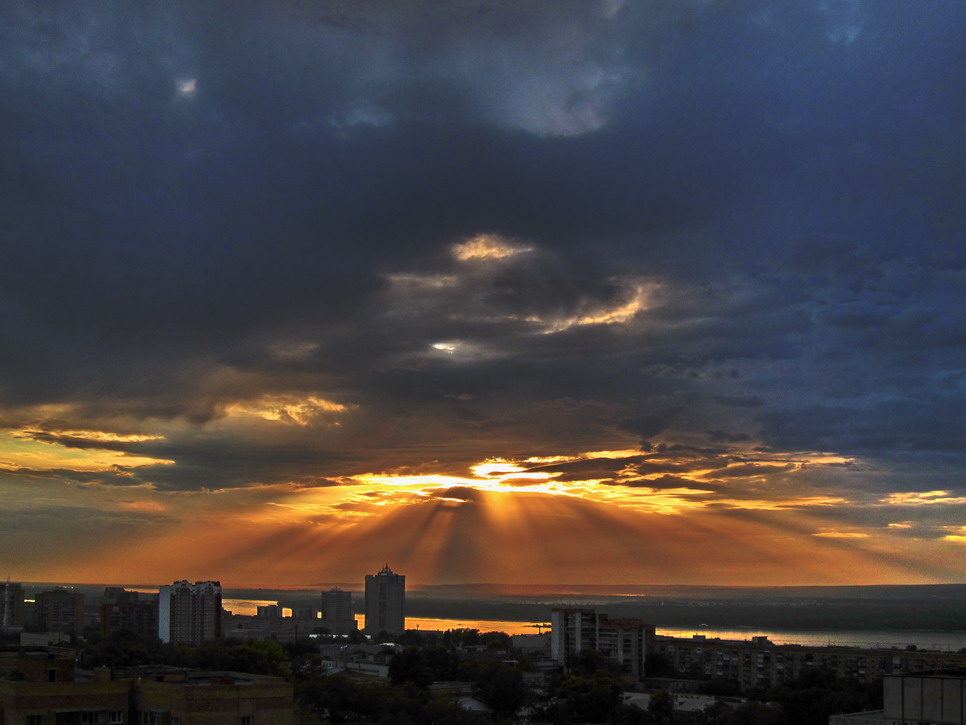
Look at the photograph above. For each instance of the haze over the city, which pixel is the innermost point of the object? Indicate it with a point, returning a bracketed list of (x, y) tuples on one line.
[(669, 292)]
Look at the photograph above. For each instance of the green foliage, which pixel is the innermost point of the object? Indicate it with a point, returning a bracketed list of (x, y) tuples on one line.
[(422, 667), (820, 694), (658, 665), (757, 713), (496, 641), (343, 699), (502, 689), (588, 699), (126, 649), (661, 708), (123, 649), (259, 657), (458, 638), (590, 663)]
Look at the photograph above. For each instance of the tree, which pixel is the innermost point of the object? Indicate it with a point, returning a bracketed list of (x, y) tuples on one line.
[(422, 666), (503, 690), (589, 699), (658, 665), (661, 708)]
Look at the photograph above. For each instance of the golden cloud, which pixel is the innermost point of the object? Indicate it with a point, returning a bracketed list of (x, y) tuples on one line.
[(20, 451), (289, 409), (833, 534), (922, 498), (486, 247)]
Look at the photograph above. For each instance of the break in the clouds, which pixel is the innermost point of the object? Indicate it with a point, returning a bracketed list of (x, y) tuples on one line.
[(402, 279)]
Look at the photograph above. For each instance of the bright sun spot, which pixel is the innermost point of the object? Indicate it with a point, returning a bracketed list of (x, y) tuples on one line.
[(495, 468)]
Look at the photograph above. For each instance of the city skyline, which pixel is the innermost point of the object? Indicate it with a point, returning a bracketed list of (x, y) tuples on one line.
[(668, 292)]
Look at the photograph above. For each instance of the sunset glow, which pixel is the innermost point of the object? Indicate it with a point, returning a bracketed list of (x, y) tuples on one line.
[(559, 294)]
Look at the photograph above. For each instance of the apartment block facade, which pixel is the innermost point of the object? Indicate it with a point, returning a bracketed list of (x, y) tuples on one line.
[(760, 663), (189, 613), (577, 630)]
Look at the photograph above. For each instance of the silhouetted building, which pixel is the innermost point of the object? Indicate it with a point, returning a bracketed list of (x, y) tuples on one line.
[(11, 605), (337, 614), (140, 617), (385, 602), (189, 613), (305, 612), (272, 611), (61, 610), (120, 595)]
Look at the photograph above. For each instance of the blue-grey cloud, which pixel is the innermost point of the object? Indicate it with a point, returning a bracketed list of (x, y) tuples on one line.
[(201, 206)]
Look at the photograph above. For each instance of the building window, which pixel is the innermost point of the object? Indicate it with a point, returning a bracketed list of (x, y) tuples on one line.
[(175, 720), (116, 717), (246, 720), (34, 720)]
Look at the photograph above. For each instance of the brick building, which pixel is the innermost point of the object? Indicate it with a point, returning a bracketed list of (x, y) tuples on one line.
[(37, 687)]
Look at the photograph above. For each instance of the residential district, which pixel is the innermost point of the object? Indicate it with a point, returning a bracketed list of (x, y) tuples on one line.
[(176, 657)]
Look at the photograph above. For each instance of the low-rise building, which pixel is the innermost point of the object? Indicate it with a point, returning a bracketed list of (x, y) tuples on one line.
[(37, 687), (755, 663), (933, 697), (212, 698), (761, 663), (32, 663)]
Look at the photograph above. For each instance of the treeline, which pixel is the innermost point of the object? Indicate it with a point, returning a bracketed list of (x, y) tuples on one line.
[(127, 649), (592, 692), (818, 615)]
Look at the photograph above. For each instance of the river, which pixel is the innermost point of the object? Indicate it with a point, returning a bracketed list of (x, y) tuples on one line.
[(945, 641)]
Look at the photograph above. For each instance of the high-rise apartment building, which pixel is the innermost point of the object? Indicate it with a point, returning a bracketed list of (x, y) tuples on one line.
[(622, 640), (189, 613), (337, 611), (61, 610), (11, 605), (385, 602)]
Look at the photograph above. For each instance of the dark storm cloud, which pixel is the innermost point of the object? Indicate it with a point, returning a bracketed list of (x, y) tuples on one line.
[(201, 206), (115, 477)]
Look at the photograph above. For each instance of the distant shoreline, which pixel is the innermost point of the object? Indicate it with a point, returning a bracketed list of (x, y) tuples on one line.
[(937, 607)]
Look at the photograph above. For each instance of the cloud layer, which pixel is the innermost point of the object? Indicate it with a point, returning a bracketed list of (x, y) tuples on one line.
[(302, 267)]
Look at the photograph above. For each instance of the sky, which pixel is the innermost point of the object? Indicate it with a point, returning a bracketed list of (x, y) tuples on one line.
[(601, 292)]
